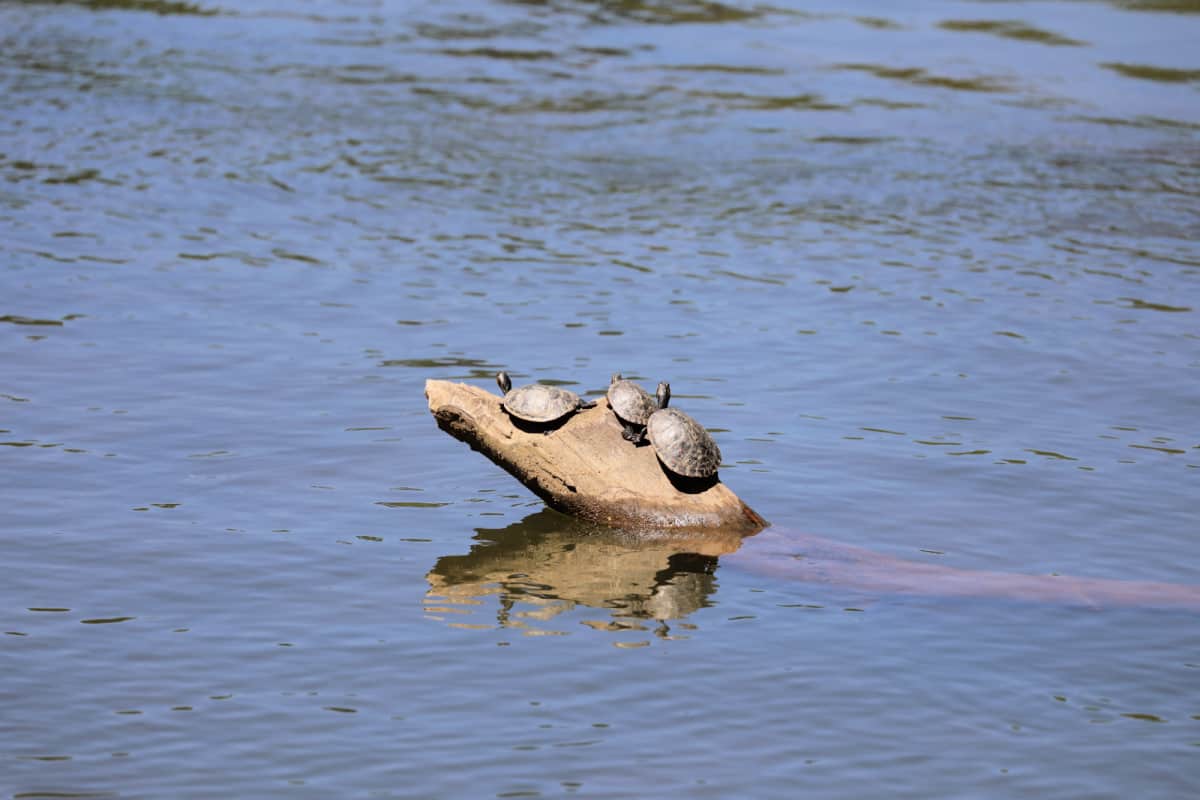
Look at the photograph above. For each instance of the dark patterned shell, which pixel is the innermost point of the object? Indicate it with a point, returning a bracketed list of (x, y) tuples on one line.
[(631, 402), (539, 403), (682, 444)]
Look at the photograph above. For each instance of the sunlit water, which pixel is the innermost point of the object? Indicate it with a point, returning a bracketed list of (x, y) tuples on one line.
[(931, 277)]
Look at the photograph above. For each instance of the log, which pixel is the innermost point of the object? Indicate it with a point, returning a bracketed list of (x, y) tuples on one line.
[(585, 468), (802, 557)]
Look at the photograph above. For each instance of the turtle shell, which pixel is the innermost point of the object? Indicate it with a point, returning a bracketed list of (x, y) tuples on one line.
[(631, 402), (540, 403), (682, 444)]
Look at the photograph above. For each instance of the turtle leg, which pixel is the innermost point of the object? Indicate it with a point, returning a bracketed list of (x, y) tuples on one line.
[(633, 433)]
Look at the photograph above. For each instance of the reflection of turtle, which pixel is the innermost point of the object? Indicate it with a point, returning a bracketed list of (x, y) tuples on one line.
[(537, 402), (682, 444), (633, 405)]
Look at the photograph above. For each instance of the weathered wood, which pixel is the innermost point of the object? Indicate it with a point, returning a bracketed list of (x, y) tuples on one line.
[(585, 468)]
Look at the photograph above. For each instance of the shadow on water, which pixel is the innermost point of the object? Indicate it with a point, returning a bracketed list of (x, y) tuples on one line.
[(549, 564)]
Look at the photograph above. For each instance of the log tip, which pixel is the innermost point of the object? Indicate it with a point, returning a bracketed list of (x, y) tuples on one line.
[(436, 393)]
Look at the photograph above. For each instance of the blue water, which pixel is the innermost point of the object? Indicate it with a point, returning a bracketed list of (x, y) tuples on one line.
[(930, 276)]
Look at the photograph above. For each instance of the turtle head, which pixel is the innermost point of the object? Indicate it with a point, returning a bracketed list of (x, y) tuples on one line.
[(503, 381), (663, 395), (616, 377)]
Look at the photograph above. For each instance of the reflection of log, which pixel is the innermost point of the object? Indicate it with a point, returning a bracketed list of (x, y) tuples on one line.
[(547, 564), (584, 467)]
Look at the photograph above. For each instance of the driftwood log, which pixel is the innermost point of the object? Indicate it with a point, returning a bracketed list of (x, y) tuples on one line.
[(811, 559), (583, 467)]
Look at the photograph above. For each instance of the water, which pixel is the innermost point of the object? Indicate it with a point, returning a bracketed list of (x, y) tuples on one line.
[(930, 275)]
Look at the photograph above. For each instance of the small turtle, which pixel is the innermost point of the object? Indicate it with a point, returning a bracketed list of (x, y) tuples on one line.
[(538, 403), (632, 405), (682, 444)]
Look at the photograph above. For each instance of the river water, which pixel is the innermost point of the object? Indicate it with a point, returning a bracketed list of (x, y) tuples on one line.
[(929, 274)]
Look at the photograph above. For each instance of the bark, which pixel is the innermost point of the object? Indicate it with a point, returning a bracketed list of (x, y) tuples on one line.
[(584, 467)]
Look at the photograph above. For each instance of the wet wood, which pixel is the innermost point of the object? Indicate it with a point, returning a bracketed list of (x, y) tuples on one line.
[(584, 467)]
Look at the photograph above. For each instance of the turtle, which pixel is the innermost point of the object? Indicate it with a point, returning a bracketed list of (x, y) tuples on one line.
[(681, 443), (538, 403), (632, 406)]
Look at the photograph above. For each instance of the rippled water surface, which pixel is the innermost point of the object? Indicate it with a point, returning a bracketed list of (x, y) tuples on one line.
[(929, 274)]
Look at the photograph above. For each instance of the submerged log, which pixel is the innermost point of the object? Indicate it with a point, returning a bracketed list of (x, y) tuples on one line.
[(584, 467), (811, 559)]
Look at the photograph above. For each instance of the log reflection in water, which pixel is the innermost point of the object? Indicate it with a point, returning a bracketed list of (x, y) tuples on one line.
[(550, 563)]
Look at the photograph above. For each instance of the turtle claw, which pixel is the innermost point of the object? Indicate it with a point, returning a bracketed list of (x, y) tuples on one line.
[(637, 436)]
